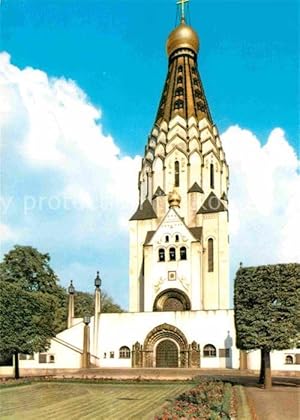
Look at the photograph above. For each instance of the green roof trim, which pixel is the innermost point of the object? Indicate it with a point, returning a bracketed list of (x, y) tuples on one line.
[(212, 204), (159, 193), (144, 212), (224, 196), (195, 188)]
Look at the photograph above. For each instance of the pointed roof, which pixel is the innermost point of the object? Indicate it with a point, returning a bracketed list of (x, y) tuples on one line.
[(195, 188), (144, 212), (159, 193), (212, 204)]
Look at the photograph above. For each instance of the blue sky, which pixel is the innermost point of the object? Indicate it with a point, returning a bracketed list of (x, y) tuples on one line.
[(114, 51)]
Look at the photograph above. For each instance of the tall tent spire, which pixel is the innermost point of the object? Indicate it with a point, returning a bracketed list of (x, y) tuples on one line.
[(183, 93)]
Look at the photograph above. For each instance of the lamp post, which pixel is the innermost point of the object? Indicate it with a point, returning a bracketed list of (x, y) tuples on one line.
[(97, 283), (86, 342), (71, 291)]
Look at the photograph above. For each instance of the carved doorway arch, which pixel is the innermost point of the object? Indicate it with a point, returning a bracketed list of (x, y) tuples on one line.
[(165, 333)]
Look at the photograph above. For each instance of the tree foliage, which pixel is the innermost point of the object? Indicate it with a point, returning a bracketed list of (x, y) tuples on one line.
[(26, 267), (29, 295), (27, 319), (266, 302), (85, 304)]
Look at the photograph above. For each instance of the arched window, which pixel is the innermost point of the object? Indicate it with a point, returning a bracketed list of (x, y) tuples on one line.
[(179, 79), (176, 172), (183, 253), (201, 106), (178, 104), (196, 83), (212, 176), (167, 238), (161, 255), (210, 255), (180, 68), (176, 238), (193, 70), (209, 351), (179, 91), (172, 254), (289, 360), (124, 352), (198, 94)]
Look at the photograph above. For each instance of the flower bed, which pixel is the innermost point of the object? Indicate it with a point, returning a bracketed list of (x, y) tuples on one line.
[(208, 400)]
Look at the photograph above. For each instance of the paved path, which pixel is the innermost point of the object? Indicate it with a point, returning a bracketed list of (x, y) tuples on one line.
[(279, 403)]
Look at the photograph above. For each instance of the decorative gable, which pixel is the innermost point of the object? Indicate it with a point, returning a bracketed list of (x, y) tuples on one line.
[(171, 225)]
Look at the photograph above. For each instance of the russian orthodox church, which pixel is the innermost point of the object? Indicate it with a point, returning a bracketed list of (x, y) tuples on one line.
[(179, 311)]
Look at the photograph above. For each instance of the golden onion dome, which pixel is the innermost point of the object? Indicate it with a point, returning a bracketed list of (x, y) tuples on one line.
[(174, 198), (182, 37)]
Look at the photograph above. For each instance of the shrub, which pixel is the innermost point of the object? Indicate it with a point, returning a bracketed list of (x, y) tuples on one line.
[(208, 400)]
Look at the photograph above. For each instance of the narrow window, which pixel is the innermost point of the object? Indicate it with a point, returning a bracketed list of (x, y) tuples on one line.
[(210, 255), (176, 169), (172, 253), (161, 255), (176, 238), (167, 238), (183, 253), (289, 360), (42, 358), (209, 351), (111, 354), (124, 352), (51, 358), (179, 79), (180, 68), (212, 178)]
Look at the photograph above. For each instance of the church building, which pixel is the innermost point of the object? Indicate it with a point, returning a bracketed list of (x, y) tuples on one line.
[(179, 311)]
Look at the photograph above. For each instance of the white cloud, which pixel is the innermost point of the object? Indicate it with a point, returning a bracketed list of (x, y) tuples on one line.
[(59, 133), (7, 233), (264, 197)]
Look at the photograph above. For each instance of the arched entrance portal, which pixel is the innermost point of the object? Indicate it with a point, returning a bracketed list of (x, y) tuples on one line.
[(165, 346), (166, 354)]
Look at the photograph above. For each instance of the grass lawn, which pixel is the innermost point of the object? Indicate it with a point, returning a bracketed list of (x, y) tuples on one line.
[(86, 401)]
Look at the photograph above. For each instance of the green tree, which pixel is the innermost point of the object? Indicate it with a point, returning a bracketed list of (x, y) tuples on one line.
[(85, 304), (266, 302), (29, 301)]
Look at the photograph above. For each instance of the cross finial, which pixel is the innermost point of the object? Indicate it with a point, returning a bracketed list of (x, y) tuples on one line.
[(181, 3)]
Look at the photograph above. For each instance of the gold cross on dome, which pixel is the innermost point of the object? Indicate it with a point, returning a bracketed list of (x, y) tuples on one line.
[(181, 3)]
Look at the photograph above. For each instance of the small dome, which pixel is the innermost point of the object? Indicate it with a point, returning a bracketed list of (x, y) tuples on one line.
[(182, 37), (174, 198)]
